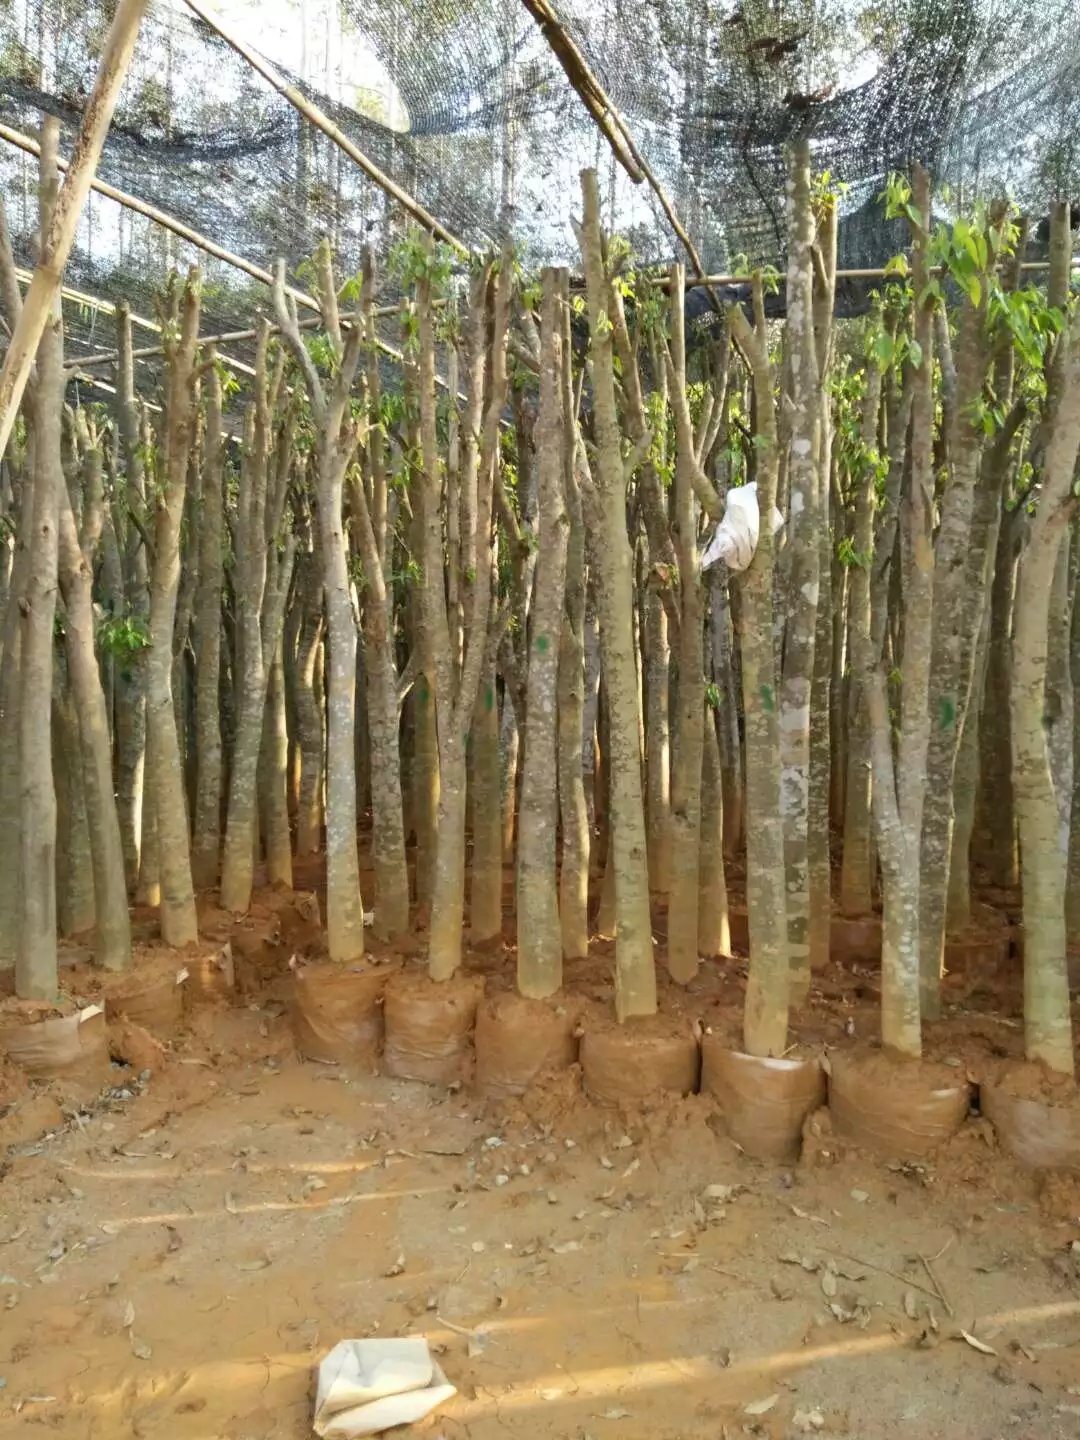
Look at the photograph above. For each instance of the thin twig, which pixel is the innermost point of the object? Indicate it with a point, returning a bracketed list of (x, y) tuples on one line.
[(937, 1286), (893, 1274)]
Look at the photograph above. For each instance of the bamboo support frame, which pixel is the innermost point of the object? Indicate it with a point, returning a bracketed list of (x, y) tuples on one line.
[(162, 218), (59, 237), (322, 121), (587, 87), (856, 274), (612, 125)]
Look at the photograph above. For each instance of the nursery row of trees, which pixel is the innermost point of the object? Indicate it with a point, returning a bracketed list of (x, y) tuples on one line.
[(241, 611)]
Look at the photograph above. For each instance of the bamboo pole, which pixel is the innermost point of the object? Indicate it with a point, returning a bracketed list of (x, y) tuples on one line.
[(613, 126), (322, 121), (162, 218), (587, 87), (864, 274), (93, 302), (63, 223)]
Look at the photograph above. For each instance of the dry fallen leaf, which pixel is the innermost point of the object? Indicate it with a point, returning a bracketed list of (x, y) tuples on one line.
[(140, 1349), (911, 1305), (398, 1268), (129, 1315), (761, 1407), (828, 1284), (805, 1215), (977, 1344)]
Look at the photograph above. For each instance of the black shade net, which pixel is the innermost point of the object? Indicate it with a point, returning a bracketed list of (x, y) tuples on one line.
[(464, 105)]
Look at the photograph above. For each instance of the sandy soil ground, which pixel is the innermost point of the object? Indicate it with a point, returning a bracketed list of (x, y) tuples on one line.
[(175, 1260)]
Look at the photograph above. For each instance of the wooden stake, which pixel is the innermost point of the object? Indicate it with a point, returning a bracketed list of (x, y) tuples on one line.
[(60, 235), (322, 122)]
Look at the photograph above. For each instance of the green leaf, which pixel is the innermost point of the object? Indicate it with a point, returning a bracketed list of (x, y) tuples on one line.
[(883, 349)]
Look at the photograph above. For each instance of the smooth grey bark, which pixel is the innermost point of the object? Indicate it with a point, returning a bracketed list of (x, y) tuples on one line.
[(765, 1016), (485, 805), (206, 827), (179, 924), (262, 571), (1047, 1021), (898, 783), (454, 702), (75, 910), (130, 515), (802, 567), (369, 492), (337, 433), (573, 805), (969, 509), (610, 551), (539, 935), (35, 960), (76, 574), (309, 705)]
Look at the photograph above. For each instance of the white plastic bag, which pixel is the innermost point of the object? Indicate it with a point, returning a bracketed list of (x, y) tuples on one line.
[(367, 1386), (736, 536)]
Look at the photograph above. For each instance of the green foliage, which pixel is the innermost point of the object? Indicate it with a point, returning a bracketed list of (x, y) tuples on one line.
[(1027, 319), (322, 353), (825, 191), (350, 292), (849, 556), (658, 417), (123, 636), (227, 377), (712, 695), (415, 258)]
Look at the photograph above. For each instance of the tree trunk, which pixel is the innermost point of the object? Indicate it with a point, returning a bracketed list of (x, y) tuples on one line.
[(256, 594), (75, 912), (1072, 880), (10, 782), (714, 930), (337, 435), (131, 790), (573, 804), (485, 802), (35, 964), (765, 1018), (657, 740), (113, 927), (635, 975), (178, 920), (539, 934), (856, 869), (309, 711), (274, 777), (206, 838), (684, 888), (995, 815), (509, 747), (1047, 1025), (802, 554), (1059, 691)]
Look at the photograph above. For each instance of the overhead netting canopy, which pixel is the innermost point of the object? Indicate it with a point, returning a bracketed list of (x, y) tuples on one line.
[(463, 103)]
